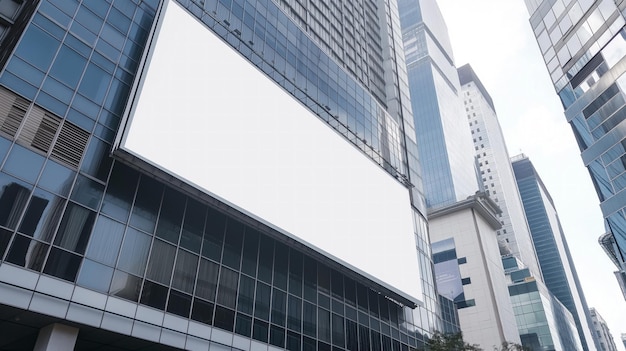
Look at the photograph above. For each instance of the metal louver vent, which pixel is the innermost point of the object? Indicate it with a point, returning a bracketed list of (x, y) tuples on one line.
[(12, 111), (70, 144), (39, 129)]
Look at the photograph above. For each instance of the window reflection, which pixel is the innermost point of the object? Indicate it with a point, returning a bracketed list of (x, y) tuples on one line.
[(75, 228), (13, 198), (42, 215), (27, 253)]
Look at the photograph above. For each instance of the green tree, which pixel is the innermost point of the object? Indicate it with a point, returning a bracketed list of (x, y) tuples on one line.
[(450, 342), (511, 346)]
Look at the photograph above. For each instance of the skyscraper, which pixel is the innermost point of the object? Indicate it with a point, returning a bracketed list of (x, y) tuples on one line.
[(605, 339), (195, 174), (495, 170), (555, 261), (461, 218), (583, 43)]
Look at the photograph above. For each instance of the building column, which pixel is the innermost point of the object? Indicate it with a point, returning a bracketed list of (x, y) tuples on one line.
[(56, 337)]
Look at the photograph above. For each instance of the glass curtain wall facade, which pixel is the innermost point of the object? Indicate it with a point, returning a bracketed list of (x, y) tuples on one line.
[(445, 146), (555, 261), (69, 210), (583, 45)]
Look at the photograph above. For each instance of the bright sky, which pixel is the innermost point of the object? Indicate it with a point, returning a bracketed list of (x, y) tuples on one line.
[(494, 36)]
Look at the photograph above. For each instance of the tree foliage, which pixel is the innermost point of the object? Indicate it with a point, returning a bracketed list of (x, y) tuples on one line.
[(455, 342)]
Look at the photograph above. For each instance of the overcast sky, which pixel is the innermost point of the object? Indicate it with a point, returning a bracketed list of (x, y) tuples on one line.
[(495, 38)]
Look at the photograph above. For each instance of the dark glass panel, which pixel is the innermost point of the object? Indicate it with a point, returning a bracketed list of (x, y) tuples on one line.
[(361, 294), (351, 313), (259, 330), (337, 306), (243, 325), (13, 199), (224, 318), (350, 291), (293, 341), (266, 257), (233, 242), (338, 331), (245, 303), (227, 290), (120, 191), (384, 308), (250, 252), (126, 286), (62, 264), (279, 307), (324, 301), (161, 262), (207, 280), (295, 273), (308, 344), (5, 237), (75, 228), (337, 284), (95, 276), (87, 192), (95, 83), (373, 299), (309, 319), (57, 178), (294, 313), (179, 303), (193, 226), (214, 235), (386, 343), (310, 280), (277, 336), (352, 337), (323, 278), (42, 215), (27, 253), (364, 338), (23, 163), (105, 242), (262, 301), (323, 324), (326, 347), (185, 271), (375, 341), (154, 295), (147, 202), (202, 311), (97, 161), (134, 254), (171, 216), (281, 261)]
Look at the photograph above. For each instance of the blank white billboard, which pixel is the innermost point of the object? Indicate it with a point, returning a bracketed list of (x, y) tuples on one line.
[(207, 116)]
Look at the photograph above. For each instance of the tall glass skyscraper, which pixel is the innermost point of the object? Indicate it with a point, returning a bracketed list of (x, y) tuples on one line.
[(559, 272), (583, 44), (196, 174)]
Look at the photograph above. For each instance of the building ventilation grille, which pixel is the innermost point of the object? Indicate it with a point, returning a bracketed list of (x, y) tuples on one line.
[(41, 130), (12, 112)]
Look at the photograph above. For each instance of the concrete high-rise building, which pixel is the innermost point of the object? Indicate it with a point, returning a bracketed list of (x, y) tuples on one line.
[(559, 273), (217, 175), (459, 213), (495, 170), (601, 329), (583, 44)]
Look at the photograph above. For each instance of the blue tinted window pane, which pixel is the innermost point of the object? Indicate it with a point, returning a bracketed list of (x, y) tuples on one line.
[(37, 48), (49, 26), (13, 196), (120, 192), (62, 264), (43, 215), (27, 253), (97, 162), (80, 120), (87, 192), (134, 253), (57, 178), (51, 103), (75, 228), (24, 164), (89, 20), (147, 204), (68, 66), (4, 148), (25, 71), (53, 12), (95, 83), (95, 276), (18, 85), (58, 91), (104, 245)]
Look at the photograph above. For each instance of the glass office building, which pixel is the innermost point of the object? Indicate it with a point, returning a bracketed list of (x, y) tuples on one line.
[(583, 45), (142, 205), (559, 272)]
